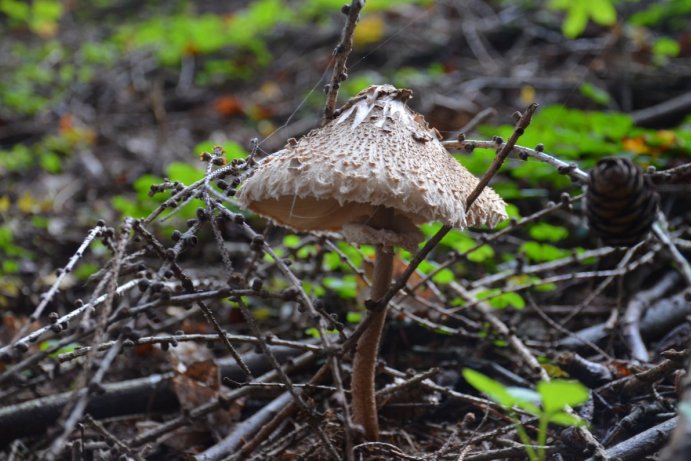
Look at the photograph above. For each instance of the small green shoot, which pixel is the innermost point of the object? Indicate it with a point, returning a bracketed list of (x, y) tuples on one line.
[(548, 403)]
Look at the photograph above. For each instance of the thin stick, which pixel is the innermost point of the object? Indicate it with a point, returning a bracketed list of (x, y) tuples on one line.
[(661, 232), (341, 53)]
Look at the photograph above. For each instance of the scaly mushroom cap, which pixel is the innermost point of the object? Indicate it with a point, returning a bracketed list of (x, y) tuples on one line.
[(376, 154)]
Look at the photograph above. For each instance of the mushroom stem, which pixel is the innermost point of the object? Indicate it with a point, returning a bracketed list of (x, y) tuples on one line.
[(365, 360)]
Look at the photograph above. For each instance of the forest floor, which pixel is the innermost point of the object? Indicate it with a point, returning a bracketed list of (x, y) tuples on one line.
[(144, 322)]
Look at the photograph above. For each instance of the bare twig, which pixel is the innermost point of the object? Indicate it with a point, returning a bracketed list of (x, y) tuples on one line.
[(187, 284), (283, 377), (660, 231), (479, 118), (636, 310), (631, 384), (213, 405), (98, 427), (490, 238), (670, 174), (602, 285), (570, 169), (201, 338), (643, 444), (244, 429), (341, 53), (48, 296), (517, 452), (678, 105), (81, 399), (65, 319)]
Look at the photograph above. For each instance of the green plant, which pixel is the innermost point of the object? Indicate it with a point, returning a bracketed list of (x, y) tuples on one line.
[(665, 48), (40, 16), (581, 136), (499, 300), (10, 252), (579, 12), (595, 94), (548, 403), (673, 14), (144, 203)]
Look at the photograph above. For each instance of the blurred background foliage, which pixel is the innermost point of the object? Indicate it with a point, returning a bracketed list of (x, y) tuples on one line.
[(101, 99)]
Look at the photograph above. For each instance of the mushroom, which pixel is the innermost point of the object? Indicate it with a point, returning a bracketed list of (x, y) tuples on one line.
[(373, 174)]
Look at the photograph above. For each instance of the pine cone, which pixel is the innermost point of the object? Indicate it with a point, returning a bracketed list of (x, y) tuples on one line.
[(621, 202)]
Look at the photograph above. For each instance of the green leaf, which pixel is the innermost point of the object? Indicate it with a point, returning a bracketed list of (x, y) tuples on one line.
[(50, 161), (10, 266), (345, 286), (143, 185), (306, 251), (512, 211), (515, 300), (526, 399), (479, 160), (15, 9), (312, 289), (484, 294), (291, 241), (85, 270), (541, 252), (545, 287), (6, 236), (425, 267), (558, 394), (444, 277), (184, 172), (431, 228), (51, 343), (332, 261), (566, 419), (601, 11), (351, 253), (127, 207), (507, 299), (313, 332), (493, 389), (576, 20), (665, 48), (353, 317), (481, 254), (673, 14), (47, 9), (548, 232), (595, 94), (579, 11), (462, 243)]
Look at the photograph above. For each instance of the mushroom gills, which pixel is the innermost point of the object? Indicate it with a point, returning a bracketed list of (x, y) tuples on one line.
[(358, 222)]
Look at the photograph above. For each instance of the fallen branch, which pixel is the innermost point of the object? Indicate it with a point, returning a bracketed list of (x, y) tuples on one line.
[(244, 430), (643, 444)]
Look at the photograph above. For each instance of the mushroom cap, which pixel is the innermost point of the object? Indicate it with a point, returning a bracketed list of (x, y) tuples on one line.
[(377, 153)]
